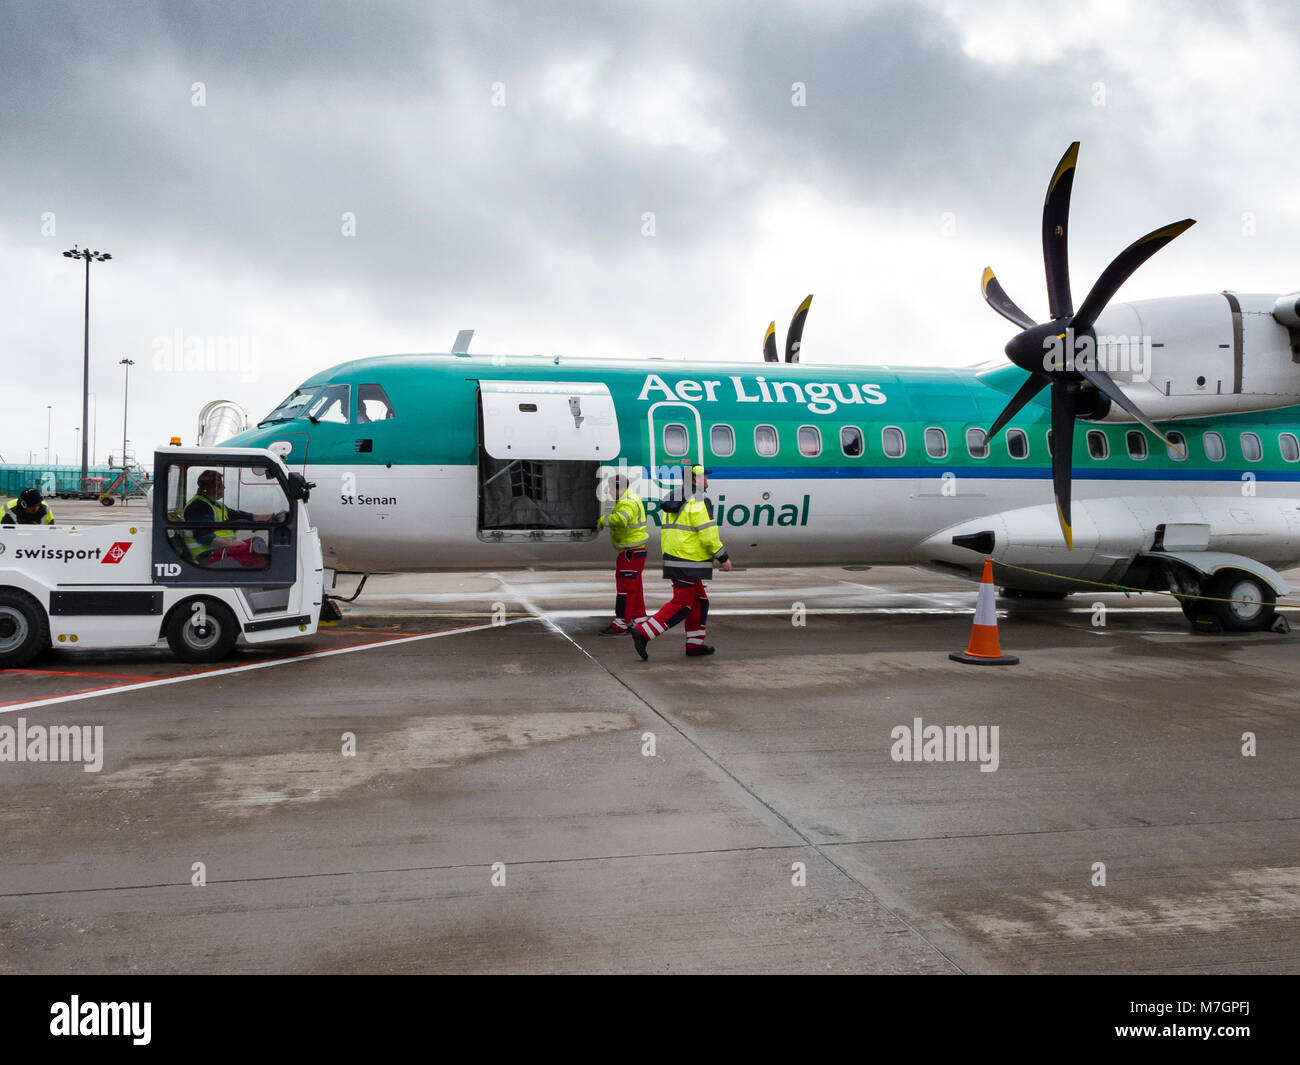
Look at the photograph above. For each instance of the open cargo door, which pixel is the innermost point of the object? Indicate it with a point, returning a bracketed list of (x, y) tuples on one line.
[(541, 446)]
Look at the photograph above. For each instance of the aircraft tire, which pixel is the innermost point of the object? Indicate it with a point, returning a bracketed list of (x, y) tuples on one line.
[(1253, 607)]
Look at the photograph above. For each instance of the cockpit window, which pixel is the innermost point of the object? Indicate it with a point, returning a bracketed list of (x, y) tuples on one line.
[(292, 407), (331, 405), (373, 404)]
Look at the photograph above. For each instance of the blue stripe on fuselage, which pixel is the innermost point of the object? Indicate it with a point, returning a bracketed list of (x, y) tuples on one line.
[(813, 473)]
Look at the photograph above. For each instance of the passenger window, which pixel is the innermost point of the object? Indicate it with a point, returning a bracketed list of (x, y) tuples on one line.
[(676, 440), (224, 517), (1098, 445), (331, 405), (1290, 447), (1251, 449), (810, 441), (1213, 444), (977, 445), (765, 441), (373, 404), (851, 441), (722, 439), (1137, 444), (892, 442), (1017, 443), (936, 443), (1177, 446)]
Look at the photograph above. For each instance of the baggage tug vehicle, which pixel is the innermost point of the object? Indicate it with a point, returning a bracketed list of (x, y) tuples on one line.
[(199, 576)]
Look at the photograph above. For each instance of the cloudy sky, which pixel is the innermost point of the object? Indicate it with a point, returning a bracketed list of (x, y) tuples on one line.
[(320, 181)]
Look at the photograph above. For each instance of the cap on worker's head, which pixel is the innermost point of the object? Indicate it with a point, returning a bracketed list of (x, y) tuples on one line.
[(30, 497)]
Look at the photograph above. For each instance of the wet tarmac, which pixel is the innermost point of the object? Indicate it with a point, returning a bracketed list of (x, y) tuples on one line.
[(463, 776)]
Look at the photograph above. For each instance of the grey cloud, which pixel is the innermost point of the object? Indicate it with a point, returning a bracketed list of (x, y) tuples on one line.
[(314, 110)]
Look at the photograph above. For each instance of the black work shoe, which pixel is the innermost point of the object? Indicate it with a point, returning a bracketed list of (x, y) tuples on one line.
[(639, 642), (613, 630), (703, 649)]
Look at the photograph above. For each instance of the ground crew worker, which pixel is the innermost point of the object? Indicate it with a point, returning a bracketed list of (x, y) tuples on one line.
[(209, 548), (28, 509), (691, 544), (627, 532)]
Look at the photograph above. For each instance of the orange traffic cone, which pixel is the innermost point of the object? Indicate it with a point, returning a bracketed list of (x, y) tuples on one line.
[(984, 649)]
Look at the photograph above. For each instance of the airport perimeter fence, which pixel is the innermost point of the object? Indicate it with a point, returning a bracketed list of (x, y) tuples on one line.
[(64, 481)]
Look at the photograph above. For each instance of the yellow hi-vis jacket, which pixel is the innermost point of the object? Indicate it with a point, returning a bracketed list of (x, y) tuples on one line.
[(220, 513), (689, 539), (627, 526), (13, 515)]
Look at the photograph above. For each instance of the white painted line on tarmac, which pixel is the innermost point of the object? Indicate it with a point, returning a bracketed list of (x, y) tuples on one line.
[(95, 693), (755, 612)]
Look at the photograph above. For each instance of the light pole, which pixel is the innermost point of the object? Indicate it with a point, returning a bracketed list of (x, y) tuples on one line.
[(49, 422), (126, 364), (98, 257)]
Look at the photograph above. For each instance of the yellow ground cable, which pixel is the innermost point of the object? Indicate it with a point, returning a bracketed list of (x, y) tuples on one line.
[(1124, 588)]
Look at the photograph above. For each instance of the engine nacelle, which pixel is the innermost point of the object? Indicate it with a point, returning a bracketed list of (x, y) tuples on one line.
[(1287, 310), (1191, 356), (1109, 533)]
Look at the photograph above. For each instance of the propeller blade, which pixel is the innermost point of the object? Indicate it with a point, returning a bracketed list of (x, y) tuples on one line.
[(1063, 455), (1056, 225), (794, 338), (1121, 269), (769, 345), (1027, 391), (996, 297), (1106, 385)]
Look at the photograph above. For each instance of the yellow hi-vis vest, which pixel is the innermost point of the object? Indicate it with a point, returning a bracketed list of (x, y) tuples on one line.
[(627, 525), (219, 514), (15, 515), (690, 539)]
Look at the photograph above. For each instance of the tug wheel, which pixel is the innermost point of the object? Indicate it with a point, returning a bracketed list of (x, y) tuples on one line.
[(202, 630), (24, 628)]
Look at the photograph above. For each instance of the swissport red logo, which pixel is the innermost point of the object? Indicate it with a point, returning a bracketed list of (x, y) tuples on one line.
[(116, 553)]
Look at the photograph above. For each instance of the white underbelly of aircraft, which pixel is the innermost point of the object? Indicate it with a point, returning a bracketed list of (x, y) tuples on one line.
[(409, 518)]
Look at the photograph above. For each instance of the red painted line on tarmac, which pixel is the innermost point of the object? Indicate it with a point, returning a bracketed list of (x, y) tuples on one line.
[(63, 695), (141, 683), (77, 673), (141, 677)]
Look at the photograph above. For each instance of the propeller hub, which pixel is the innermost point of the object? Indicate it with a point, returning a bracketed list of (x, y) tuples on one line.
[(1043, 349)]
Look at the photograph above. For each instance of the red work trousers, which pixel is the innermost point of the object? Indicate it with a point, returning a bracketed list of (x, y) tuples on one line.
[(690, 603), (629, 598), (240, 551)]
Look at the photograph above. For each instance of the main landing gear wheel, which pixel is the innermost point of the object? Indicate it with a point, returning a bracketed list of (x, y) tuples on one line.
[(24, 629), (202, 635), (1242, 602)]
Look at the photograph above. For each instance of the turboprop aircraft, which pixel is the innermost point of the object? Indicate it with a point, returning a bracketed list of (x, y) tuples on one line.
[(1167, 459)]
